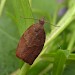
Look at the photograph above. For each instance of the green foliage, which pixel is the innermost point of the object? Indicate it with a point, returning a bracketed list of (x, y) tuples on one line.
[(9, 36), (51, 60), (60, 59)]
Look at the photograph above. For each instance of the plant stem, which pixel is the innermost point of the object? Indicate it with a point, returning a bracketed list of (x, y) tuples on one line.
[(24, 69), (71, 43), (63, 23), (1, 6), (46, 69)]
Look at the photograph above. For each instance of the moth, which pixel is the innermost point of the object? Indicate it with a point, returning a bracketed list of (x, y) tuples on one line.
[(31, 43)]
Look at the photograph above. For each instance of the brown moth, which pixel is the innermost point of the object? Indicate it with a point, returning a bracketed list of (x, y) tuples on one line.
[(31, 42)]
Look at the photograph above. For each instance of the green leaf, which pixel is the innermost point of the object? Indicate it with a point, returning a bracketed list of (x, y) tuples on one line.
[(50, 57), (10, 23), (8, 42), (21, 9), (70, 69), (2, 3), (38, 68), (59, 63)]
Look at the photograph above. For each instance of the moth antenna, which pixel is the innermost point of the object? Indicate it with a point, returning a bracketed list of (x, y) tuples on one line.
[(51, 24), (29, 18)]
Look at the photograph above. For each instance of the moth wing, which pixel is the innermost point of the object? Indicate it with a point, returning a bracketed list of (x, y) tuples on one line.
[(34, 36)]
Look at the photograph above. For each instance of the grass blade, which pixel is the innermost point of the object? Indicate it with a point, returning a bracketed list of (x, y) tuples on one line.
[(59, 63)]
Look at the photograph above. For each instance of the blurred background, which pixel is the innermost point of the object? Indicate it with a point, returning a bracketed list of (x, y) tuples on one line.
[(12, 26)]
